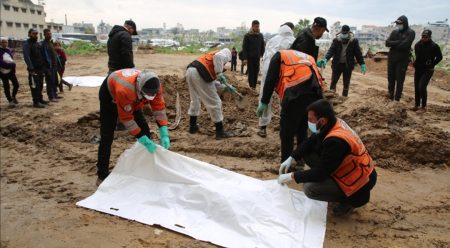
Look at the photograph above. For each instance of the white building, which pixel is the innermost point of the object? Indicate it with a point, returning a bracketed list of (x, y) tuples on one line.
[(18, 16)]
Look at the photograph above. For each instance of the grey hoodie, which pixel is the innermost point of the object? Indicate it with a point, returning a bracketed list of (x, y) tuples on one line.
[(400, 42)]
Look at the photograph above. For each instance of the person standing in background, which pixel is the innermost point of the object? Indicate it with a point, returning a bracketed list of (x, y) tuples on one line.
[(233, 59), (8, 72), (253, 50)]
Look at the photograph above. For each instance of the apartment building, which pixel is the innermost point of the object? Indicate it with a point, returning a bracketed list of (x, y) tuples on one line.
[(18, 16)]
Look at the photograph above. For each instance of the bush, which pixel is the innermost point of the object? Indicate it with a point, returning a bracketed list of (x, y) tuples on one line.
[(83, 48)]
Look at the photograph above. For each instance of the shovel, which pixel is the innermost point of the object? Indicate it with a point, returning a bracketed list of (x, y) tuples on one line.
[(241, 101)]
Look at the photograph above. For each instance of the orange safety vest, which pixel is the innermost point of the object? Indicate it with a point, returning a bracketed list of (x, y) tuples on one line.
[(295, 69), (207, 61), (354, 171), (122, 86)]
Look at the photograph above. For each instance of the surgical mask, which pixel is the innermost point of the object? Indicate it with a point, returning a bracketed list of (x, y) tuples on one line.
[(400, 27), (345, 36), (149, 97), (312, 127)]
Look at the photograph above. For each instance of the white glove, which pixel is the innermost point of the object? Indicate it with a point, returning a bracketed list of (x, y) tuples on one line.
[(285, 178), (284, 167)]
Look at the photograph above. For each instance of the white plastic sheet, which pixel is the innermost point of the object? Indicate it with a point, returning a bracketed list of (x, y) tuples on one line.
[(207, 202), (85, 81)]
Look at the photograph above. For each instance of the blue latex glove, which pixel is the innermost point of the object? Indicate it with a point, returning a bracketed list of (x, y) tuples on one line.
[(261, 108), (222, 79), (322, 63), (230, 88), (363, 68), (148, 143), (164, 134)]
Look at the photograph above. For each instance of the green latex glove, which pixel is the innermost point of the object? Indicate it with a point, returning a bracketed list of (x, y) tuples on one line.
[(148, 143), (322, 63), (363, 68), (230, 88), (222, 79), (261, 108), (164, 134)]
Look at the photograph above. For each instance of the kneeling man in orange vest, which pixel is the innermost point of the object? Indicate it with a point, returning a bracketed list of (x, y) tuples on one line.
[(342, 169)]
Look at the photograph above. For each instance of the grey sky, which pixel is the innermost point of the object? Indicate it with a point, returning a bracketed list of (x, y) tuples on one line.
[(205, 15)]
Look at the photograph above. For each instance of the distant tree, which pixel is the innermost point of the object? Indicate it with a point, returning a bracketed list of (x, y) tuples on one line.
[(89, 30), (302, 23)]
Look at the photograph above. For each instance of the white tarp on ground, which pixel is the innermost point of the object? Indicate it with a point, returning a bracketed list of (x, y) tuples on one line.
[(85, 81), (208, 202)]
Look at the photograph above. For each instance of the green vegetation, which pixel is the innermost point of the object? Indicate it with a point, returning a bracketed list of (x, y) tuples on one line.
[(83, 48), (302, 24)]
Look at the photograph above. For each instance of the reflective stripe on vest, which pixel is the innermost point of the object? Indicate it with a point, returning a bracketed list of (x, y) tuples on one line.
[(295, 68), (207, 61), (354, 171)]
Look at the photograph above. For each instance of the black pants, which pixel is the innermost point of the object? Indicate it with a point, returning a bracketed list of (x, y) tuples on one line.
[(294, 123), (396, 78), (36, 82), (11, 76), (108, 120), (346, 72), (329, 191), (421, 79), (233, 65), (253, 71), (50, 81)]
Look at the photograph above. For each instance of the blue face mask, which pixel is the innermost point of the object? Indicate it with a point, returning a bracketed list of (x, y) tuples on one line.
[(312, 127)]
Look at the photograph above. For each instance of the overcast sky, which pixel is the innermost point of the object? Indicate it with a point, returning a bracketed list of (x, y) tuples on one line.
[(204, 15)]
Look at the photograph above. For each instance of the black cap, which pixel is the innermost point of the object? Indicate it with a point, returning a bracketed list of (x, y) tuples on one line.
[(151, 86), (31, 30), (132, 24), (345, 29), (289, 24), (320, 22), (427, 33)]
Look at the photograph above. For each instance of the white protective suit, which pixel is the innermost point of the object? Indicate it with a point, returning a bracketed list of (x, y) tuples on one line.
[(200, 90), (283, 40)]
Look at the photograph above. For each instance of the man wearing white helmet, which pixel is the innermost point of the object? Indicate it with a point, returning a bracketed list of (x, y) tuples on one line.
[(122, 95), (202, 75)]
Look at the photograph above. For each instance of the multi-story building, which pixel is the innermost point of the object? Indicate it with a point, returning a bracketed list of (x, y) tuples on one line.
[(440, 29), (18, 16), (54, 27)]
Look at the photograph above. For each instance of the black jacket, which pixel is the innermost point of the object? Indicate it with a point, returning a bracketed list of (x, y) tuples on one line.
[(253, 46), (331, 152), (306, 43), (353, 51), (120, 49), (33, 56), (427, 55), (400, 43), (310, 87)]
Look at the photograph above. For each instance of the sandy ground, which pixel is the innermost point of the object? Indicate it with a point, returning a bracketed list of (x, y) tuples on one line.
[(48, 161)]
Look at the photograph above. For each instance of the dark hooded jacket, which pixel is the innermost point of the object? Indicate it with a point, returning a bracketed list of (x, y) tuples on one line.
[(253, 45), (306, 43), (353, 51), (120, 49), (33, 56), (428, 55), (400, 42)]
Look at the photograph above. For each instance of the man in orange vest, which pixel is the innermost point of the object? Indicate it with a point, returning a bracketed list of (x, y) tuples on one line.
[(203, 76), (295, 78), (342, 169), (123, 94)]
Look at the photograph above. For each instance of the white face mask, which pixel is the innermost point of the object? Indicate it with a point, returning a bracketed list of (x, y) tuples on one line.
[(400, 27), (149, 97), (312, 127), (344, 36)]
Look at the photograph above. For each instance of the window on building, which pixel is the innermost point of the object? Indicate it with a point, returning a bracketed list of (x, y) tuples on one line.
[(39, 12), (7, 7), (24, 10), (34, 25), (18, 24), (49, 27), (9, 24), (26, 25), (32, 11), (16, 9), (41, 26)]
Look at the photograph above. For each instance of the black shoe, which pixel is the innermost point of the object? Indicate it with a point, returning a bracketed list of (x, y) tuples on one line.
[(38, 105), (14, 100), (223, 135), (44, 102), (193, 129), (262, 132), (342, 209)]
